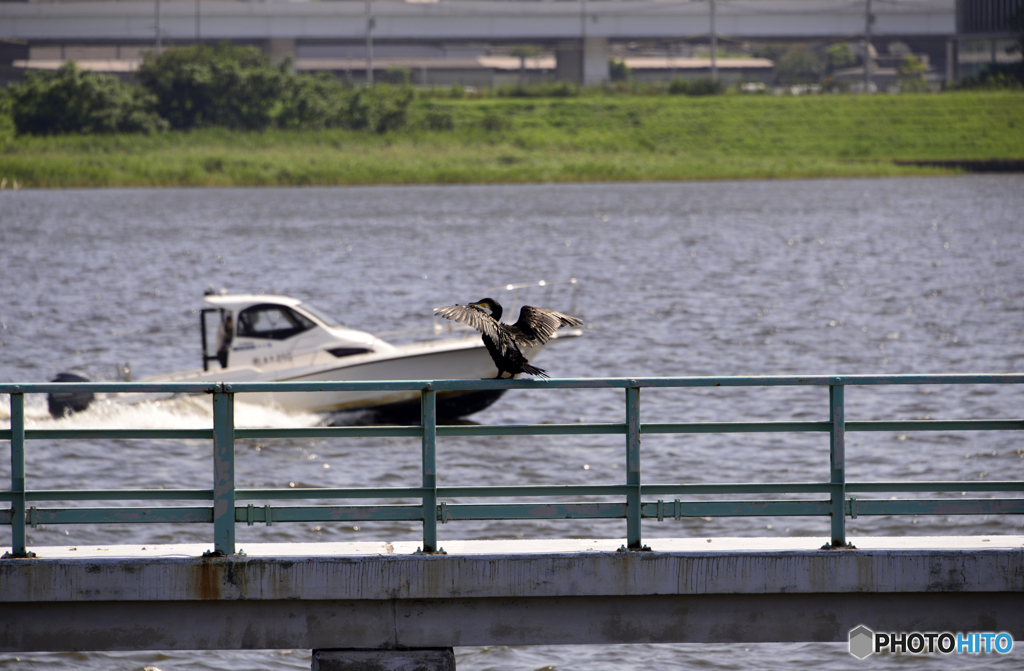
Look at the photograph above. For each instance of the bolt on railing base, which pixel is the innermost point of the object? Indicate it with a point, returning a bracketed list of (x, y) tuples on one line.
[(221, 553), (438, 551), (642, 548), (24, 555), (844, 546)]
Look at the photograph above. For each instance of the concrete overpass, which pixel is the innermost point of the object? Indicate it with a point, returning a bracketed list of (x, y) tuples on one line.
[(572, 28), (354, 598)]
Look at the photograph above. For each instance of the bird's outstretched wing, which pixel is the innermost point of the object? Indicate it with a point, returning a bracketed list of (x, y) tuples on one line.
[(537, 325), (475, 317)]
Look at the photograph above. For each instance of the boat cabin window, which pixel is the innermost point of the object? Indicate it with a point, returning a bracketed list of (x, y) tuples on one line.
[(320, 314), (273, 322)]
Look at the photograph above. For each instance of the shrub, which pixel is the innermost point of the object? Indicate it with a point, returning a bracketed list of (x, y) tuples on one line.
[(839, 56), (313, 101), (910, 72), (380, 109), (799, 65), (678, 86), (492, 122), (70, 100), (992, 80), (542, 90), (704, 86), (397, 75), (438, 119), (225, 85), (618, 71)]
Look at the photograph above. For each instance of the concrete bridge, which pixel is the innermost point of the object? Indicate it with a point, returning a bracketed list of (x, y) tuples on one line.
[(387, 604), (579, 31), (345, 599)]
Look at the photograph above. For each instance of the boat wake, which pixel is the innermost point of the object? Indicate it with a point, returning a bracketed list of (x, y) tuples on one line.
[(188, 412)]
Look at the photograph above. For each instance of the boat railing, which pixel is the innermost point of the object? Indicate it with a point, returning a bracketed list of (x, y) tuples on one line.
[(560, 295), (632, 499)]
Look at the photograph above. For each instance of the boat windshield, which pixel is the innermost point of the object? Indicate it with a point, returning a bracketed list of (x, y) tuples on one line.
[(319, 314)]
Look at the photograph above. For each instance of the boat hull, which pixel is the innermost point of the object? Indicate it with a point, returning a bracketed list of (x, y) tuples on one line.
[(464, 358), (467, 360), (450, 406)]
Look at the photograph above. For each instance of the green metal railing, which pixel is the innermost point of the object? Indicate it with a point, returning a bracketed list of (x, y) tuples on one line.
[(226, 513)]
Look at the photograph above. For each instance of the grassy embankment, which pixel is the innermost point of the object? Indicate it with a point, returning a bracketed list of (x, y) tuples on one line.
[(614, 138)]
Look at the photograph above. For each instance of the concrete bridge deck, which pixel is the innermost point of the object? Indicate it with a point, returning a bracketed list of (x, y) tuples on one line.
[(384, 596)]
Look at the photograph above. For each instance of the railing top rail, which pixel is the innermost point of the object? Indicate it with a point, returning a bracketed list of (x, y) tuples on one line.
[(487, 384)]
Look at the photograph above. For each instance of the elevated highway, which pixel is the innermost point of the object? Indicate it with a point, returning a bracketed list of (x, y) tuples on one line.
[(559, 25)]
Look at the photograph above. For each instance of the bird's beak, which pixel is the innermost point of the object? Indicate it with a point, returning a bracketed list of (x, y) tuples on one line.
[(477, 305)]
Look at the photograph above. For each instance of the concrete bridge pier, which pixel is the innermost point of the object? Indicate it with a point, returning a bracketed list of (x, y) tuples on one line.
[(582, 61), (426, 659), (279, 48)]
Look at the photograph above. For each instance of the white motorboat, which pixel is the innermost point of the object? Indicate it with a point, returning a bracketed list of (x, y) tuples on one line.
[(264, 338)]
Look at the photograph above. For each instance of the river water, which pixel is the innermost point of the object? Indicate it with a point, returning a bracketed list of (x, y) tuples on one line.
[(921, 275)]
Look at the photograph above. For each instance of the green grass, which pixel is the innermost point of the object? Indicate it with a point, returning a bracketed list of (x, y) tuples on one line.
[(614, 138)]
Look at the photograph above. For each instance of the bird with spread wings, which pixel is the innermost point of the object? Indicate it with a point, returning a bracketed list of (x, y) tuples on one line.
[(503, 341)]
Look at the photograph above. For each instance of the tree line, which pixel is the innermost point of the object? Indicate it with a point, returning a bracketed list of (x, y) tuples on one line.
[(237, 87), (198, 86)]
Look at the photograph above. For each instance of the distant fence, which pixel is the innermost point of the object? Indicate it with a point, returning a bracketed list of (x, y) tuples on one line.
[(225, 513)]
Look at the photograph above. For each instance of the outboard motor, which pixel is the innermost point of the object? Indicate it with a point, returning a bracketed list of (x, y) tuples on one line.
[(68, 402)]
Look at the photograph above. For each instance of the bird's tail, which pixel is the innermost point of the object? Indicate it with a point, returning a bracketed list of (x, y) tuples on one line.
[(533, 370)]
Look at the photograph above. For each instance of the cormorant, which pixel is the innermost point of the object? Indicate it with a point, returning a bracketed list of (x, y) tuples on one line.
[(535, 327)]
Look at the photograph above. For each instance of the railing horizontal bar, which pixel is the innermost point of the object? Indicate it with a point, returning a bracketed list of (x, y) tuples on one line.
[(738, 509), (333, 385), (442, 430), (938, 486), (464, 385), (939, 425), (534, 511), (111, 387), (531, 429), (332, 432), (317, 493), (734, 427), (117, 434), (738, 488), (132, 515), (410, 492), (119, 494), (525, 511), (536, 490), (959, 378), (385, 513), (940, 507), (515, 490), (523, 429)]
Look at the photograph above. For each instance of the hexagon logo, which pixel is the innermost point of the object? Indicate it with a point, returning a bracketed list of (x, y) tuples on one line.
[(862, 642)]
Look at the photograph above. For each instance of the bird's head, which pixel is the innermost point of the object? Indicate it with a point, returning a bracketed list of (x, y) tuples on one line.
[(489, 304), (486, 304)]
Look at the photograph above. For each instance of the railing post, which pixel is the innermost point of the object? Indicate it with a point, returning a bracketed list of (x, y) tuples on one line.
[(428, 421), (224, 472), (19, 505), (633, 503), (837, 458)]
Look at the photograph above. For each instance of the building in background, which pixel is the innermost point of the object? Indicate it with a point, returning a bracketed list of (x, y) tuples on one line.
[(987, 31)]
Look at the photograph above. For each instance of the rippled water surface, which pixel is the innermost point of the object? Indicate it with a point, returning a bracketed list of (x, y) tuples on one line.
[(726, 278)]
